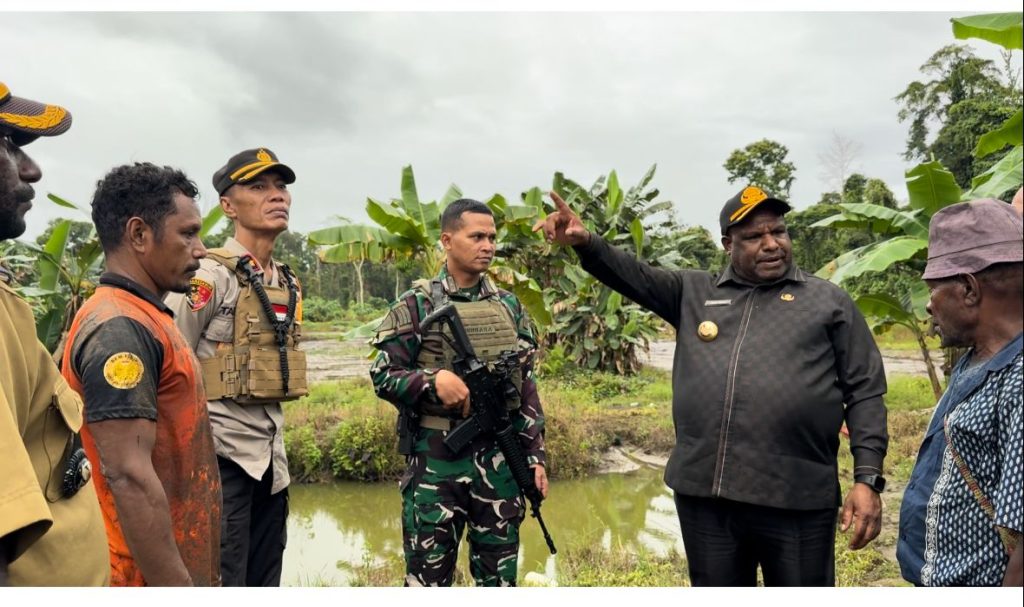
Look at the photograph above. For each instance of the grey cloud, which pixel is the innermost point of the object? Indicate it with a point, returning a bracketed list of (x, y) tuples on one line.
[(494, 102)]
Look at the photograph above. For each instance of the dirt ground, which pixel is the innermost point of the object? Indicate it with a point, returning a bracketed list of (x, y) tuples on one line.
[(329, 357)]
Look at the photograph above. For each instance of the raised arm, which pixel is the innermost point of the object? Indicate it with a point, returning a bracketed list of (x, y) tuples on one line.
[(656, 289)]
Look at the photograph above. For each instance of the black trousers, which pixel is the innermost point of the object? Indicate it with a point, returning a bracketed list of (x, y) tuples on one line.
[(253, 530), (725, 541)]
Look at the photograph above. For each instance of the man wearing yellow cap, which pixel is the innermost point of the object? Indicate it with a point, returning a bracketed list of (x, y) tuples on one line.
[(51, 530), (242, 318), (769, 363)]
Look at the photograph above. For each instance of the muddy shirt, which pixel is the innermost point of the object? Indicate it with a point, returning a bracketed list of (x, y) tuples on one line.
[(398, 380), (757, 403), (128, 360), (52, 540), (252, 436)]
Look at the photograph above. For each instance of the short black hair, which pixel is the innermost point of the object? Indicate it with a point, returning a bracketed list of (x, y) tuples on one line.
[(451, 218), (141, 190)]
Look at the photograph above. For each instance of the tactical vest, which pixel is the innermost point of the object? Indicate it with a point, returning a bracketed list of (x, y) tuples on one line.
[(491, 329), (252, 369)]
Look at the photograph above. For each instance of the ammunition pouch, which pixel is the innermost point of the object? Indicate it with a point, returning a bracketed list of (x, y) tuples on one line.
[(254, 376)]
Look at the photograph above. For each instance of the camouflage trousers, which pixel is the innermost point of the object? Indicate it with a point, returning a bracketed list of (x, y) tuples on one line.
[(442, 495)]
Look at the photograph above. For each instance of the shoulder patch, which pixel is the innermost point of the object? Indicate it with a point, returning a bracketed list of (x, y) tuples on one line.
[(403, 319), (123, 370), (199, 294)]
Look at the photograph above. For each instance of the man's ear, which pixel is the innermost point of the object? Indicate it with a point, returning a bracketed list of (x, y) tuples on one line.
[(972, 290), (228, 207), (138, 234), (727, 243), (446, 241)]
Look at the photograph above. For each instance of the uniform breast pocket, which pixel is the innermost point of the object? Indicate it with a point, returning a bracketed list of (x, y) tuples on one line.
[(221, 328)]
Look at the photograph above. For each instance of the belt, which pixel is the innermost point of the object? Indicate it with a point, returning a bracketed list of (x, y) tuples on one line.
[(438, 423)]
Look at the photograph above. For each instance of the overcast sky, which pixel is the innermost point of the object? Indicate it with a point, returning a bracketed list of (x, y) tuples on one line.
[(493, 102)]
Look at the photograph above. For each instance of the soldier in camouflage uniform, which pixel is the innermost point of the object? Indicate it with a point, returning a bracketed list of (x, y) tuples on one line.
[(442, 492)]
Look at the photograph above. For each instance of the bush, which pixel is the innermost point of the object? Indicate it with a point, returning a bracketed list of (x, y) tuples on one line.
[(364, 449), (304, 454), (554, 362), (318, 309)]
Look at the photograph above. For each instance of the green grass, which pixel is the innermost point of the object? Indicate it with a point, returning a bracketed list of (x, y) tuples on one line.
[(593, 566), (909, 393), (901, 338), (341, 429)]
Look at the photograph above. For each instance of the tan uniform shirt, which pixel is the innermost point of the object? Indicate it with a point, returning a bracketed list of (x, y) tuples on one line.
[(56, 541), (252, 436)]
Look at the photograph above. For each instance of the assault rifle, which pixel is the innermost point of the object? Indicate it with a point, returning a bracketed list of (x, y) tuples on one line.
[(489, 390)]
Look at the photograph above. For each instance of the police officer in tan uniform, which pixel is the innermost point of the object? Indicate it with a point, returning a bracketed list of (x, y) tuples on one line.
[(51, 530), (242, 317)]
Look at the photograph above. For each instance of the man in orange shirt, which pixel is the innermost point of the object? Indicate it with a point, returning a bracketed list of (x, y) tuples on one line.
[(145, 407)]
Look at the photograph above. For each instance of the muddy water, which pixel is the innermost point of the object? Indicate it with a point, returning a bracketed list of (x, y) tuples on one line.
[(338, 528)]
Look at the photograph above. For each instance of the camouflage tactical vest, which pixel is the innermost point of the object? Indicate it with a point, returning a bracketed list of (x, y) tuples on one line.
[(491, 329), (249, 370)]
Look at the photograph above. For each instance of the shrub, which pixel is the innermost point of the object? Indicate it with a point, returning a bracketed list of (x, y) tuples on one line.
[(554, 362), (304, 454), (318, 309), (364, 449)]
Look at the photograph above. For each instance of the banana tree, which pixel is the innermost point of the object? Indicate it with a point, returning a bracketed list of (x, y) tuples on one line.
[(884, 311), (597, 327), (410, 229), (1006, 30), (903, 234), (902, 245), (66, 276)]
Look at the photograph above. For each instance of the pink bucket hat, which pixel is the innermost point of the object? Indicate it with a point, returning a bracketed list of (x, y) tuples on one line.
[(968, 237)]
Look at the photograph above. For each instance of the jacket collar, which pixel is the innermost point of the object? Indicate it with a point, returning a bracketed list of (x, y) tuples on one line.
[(793, 274)]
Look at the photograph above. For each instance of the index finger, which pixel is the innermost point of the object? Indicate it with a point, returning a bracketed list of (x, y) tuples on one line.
[(559, 203)]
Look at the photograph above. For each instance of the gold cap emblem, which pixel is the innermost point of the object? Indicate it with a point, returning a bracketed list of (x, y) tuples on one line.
[(787, 297), (749, 198), (707, 331), (263, 156)]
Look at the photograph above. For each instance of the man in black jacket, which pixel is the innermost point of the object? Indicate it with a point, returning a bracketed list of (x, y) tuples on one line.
[(769, 363)]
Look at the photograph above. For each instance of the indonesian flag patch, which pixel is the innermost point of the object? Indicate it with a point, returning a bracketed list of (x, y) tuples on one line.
[(281, 311), (199, 294)]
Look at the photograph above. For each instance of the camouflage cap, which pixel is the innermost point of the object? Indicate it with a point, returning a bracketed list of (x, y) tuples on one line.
[(246, 165), (740, 205), (29, 119)]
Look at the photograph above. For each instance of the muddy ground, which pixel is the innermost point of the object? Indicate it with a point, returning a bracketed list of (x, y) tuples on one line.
[(329, 357)]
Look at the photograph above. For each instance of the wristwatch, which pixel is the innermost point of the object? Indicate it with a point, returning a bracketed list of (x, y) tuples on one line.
[(875, 481)]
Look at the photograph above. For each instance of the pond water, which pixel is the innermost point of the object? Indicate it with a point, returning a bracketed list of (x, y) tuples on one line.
[(336, 529)]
